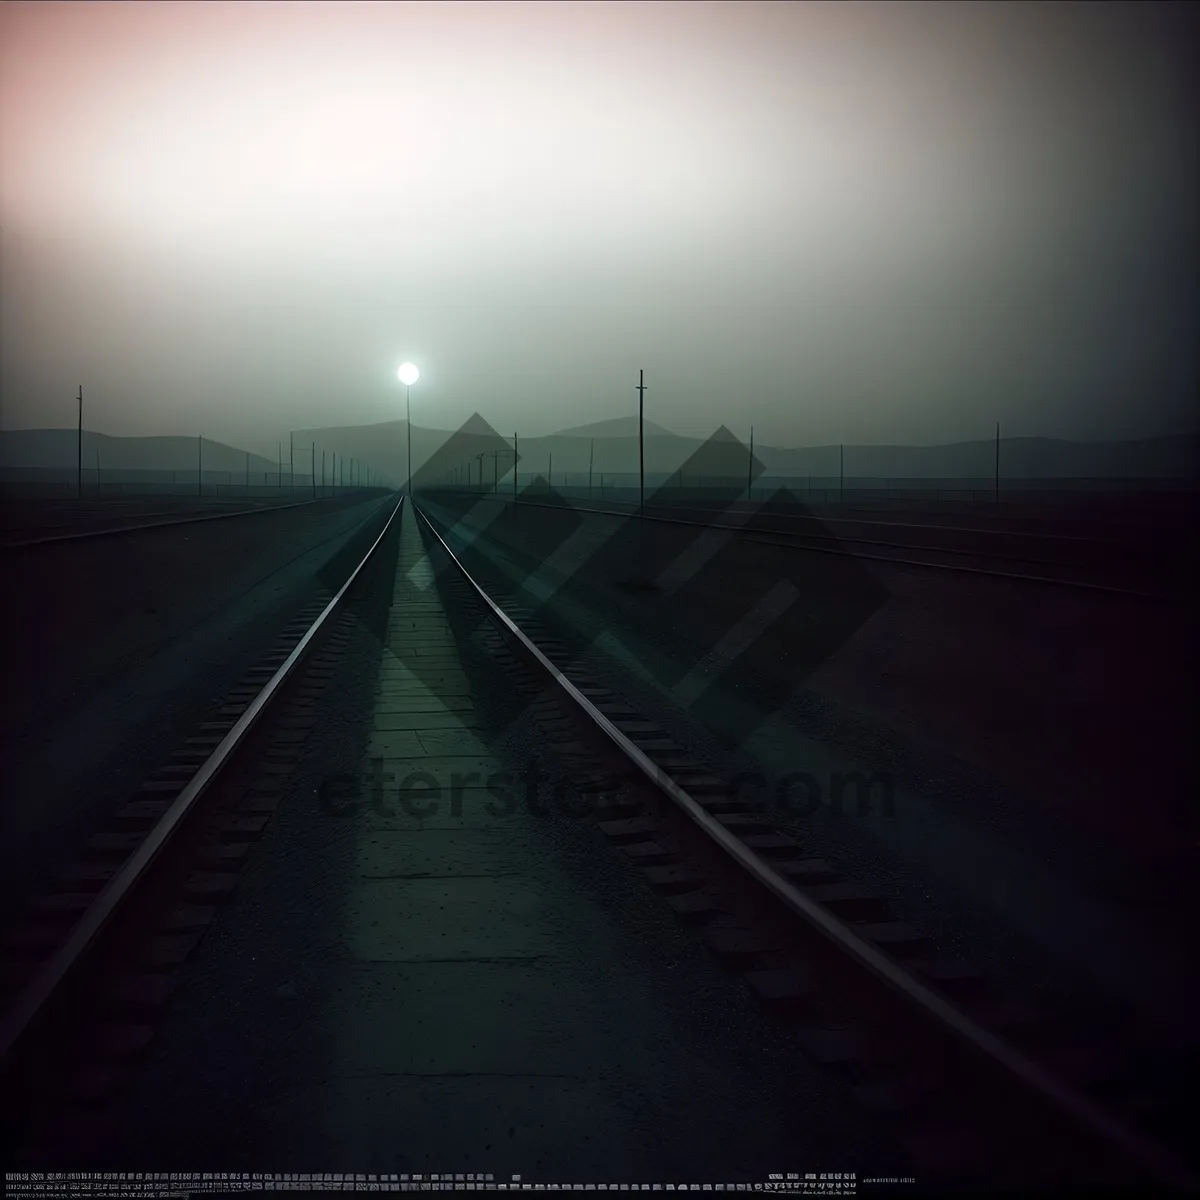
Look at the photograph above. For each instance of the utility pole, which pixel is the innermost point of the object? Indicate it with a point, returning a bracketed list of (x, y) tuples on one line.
[(641, 388), (79, 450), (997, 500), (591, 461), (322, 474)]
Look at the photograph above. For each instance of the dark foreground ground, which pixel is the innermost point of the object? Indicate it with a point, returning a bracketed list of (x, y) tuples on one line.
[(458, 991), (465, 991)]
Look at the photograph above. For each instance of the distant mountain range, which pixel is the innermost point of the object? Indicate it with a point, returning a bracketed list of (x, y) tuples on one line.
[(614, 427), (612, 447), (59, 448)]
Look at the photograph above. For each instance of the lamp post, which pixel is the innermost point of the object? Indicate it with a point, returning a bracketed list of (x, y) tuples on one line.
[(408, 375)]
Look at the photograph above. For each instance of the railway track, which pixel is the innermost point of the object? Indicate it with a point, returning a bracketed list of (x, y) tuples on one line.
[(20, 539), (974, 1090), (900, 521), (1029, 566)]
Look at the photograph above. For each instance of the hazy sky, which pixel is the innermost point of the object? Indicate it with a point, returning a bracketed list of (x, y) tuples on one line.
[(841, 222)]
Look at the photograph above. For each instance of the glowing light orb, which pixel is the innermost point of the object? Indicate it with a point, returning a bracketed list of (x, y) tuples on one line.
[(408, 374)]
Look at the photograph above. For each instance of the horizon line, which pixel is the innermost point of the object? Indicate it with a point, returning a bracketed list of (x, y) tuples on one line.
[(570, 433)]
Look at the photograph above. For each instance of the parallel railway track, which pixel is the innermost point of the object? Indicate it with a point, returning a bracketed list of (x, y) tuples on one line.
[(21, 539), (1037, 567), (978, 1092)]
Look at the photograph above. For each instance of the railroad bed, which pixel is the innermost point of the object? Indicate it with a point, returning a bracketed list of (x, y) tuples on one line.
[(420, 903)]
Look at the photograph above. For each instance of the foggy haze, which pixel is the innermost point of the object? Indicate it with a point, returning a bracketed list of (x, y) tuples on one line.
[(839, 222)]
